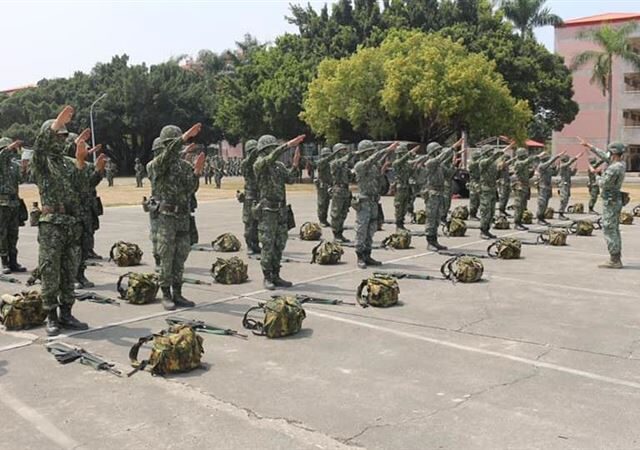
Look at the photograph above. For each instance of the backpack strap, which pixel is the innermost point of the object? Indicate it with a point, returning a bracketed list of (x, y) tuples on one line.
[(597, 225), (362, 301), (122, 291), (492, 250), (447, 268), (636, 211), (133, 354), (573, 228), (386, 241), (113, 247), (445, 228), (543, 238), (571, 209), (314, 253), (252, 324), (216, 241)]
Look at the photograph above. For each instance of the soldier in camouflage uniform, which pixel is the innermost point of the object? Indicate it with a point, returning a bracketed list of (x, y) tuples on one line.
[(139, 170), (173, 183), (111, 171), (151, 207), (521, 169), (488, 186), (504, 184), (367, 172), (323, 183), (340, 193), (12, 173), (448, 171), (251, 195), (271, 210), (565, 171), (546, 171), (403, 170), (218, 170), (594, 190), (610, 185), (474, 184)]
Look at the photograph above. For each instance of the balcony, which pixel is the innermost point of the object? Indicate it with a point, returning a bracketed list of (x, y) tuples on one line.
[(632, 83)]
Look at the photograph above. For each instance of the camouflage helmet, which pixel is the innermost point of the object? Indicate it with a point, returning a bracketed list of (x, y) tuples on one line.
[(47, 126), (250, 145), (339, 146), (157, 145), (5, 142), (486, 150), (326, 151), (433, 147), (266, 142), (522, 153), (564, 158), (170, 132), (617, 148), (365, 146)]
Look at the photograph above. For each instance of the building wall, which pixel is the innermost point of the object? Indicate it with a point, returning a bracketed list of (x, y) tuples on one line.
[(591, 121)]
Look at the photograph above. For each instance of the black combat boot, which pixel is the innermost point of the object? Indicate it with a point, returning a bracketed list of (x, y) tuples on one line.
[(362, 264), (486, 234), (52, 324), (279, 282), (158, 263), (94, 255), (614, 262), (324, 223), (82, 282), (338, 236), (562, 216), (369, 261), (519, 226), (167, 300), (179, 300), (400, 226), (67, 321), (542, 221), (13, 263), (434, 245), (5, 265), (268, 283)]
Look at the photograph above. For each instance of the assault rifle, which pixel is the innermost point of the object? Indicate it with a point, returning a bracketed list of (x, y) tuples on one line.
[(302, 298), (195, 281), (199, 325), (95, 298), (8, 279), (403, 275), (202, 248), (65, 354), (452, 253)]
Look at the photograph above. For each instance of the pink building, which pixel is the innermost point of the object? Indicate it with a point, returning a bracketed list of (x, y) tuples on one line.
[(591, 121)]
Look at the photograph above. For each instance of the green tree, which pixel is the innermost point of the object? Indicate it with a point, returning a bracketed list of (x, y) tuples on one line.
[(614, 42), (529, 14)]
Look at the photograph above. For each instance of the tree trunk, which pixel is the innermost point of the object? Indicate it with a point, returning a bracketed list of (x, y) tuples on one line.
[(610, 111)]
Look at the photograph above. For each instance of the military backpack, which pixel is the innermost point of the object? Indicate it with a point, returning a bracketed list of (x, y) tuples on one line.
[(310, 231), (283, 316), (460, 212), (582, 228), (549, 213), (139, 289), (230, 271), (555, 238), (326, 253), (578, 208), (176, 349), (400, 240), (381, 291), (125, 254), (420, 217), (22, 311), (226, 243), (454, 228), (527, 217), (626, 218), (505, 248), (501, 223), (463, 268)]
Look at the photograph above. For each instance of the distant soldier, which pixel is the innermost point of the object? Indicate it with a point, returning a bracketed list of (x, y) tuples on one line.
[(612, 199), (111, 171), (565, 172), (218, 166), (139, 170), (488, 186), (12, 173), (340, 192), (521, 169), (448, 171), (251, 196), (504, 184), (272, 175), (208, 171), (546, 171), (403, 171), (594, 189), (323, 183), (474, 184)]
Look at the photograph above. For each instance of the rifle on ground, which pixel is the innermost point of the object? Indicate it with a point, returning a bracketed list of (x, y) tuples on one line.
[(353, 245), (452, 253), (302, 298), (95, 298), (199, 325), (195, 281), (92, 264), (65, 354), (202, 248), (403, 275), (8, 279), (284, 259)]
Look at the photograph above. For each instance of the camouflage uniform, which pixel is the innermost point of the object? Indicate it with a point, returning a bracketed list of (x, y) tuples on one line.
[(504, 185), (139, 169), (251, 196), (153, 213), (565, 172), (271, 211), (340, 193), (546, 171), (85, 182), (218, 171), (488, 185), (474, 184), (11, 176), (323, 184), (448, 171), (522, 170), (592, 183), (403, 171), (110, 171), (173, 184)]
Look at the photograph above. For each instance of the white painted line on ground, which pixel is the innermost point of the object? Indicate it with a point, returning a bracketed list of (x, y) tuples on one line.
[(566, 286)]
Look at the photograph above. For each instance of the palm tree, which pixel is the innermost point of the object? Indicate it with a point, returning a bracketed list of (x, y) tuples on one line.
[(529, 14), (614, 42)]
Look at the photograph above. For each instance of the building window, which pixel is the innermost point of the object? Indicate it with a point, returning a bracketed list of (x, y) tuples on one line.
[(632, 82), (633, 158), (631, 117)]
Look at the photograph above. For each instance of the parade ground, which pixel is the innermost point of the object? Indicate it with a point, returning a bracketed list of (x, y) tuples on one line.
[(544, 353)]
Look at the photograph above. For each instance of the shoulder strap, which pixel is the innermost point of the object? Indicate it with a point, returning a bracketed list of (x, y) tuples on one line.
[(119, 288), (133, 353), (492, 250), (314, 253), (252, 324), (447, 268), (113, 247), (362, 302)]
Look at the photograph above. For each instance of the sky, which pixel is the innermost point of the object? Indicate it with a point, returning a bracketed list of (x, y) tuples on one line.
[(49, 39)]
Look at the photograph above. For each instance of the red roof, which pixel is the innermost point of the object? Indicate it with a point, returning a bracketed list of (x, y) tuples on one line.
[(601, 18), (531, 143)]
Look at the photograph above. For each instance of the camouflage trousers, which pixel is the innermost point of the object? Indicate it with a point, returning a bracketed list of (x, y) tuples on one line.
[(9, 230), (488, 198), (594, 192), (138, 181), (58, 261), (250, 224), (153, 234), (340, 204), (85, 238), (174, 245), (519, 203), (401, 203), (446, 203), (474, 198), (273, 235), (323, 202), (611, 225), (366, 225), (217, 179), (565, 195), (110, 180), (504, 192), (413, 193), (433, 205), (544, 195)]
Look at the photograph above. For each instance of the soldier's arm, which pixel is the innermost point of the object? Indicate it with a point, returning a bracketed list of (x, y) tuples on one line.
[(446, 153)]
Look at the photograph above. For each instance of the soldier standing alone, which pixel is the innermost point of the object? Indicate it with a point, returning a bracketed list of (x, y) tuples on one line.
[(340, 193), (111, 171), (594, 190), (139, 169)]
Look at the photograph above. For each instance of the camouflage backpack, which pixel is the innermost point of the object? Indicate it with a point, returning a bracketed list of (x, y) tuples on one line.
[(578, 208), (549, 213), (460, 212), (230, 271), (310, 231), (380, 291), (141, 288), (125, 254), (22, 311), (636, 211), (226, 242), (464, 268), (505, 248), (555, 238), (527, 217), (420, 217), (400, 240), (176, 349), (454, 228), (283, 316), (326, 253), (501, 223), (626, 218), (582, 228)]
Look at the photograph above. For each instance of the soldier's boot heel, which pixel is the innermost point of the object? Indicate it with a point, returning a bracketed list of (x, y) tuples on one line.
[(486, 234), (167, 300), (370, 261), (83, 282), (614, 262), (68, 321), (5, 265), (362, 264), (52, 325), (268, 283), (13, 263), (400, 226), (179, 300), (279, 282), (520, 227), (434, 245)]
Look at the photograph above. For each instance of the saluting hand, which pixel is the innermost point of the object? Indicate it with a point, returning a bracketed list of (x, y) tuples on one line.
[(84, 136), (192, 132), (296, 141), (101, 162), (64, 117), (199, 164)]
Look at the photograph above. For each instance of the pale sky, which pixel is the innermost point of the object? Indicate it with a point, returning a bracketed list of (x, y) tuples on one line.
[(48, 39)]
